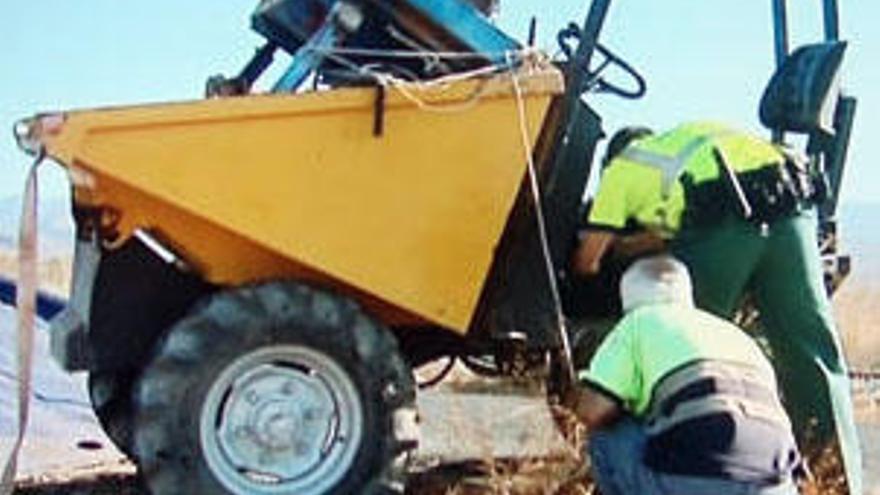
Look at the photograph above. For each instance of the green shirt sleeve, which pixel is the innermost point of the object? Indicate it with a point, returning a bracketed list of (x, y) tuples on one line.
[(610, 209), (615, 367)]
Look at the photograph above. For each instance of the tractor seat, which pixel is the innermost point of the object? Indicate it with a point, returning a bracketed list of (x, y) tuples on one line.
[(803, 92)]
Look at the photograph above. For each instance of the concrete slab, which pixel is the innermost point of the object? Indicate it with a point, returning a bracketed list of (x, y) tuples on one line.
[(463, 426)]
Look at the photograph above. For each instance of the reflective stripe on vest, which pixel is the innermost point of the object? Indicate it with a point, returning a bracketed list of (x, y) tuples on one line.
[(763, 404), (671, 167)]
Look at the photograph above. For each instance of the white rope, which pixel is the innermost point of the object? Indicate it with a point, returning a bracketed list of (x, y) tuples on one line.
[(409, 54), (449, 79), (541, 222), (405, 88), (26, 301), (335, 54)]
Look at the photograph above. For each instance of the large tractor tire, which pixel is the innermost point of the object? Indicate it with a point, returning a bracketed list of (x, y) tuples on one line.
[(275, 389), (110, 395)]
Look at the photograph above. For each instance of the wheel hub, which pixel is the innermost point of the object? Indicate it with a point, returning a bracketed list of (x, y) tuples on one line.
[(281, 417), (277, 420)]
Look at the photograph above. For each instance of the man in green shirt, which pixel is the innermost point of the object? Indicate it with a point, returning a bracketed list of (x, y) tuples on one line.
[(680, 401), (740, 215)]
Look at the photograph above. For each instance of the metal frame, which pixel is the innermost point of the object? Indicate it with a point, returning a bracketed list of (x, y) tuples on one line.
[(469, 26), (462, 21), (831, 18), (780, 30)]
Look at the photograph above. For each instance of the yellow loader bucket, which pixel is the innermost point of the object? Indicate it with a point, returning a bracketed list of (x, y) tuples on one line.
[(397, 200)]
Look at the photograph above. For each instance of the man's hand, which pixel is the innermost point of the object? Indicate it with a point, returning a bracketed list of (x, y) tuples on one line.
[(593, 408), (588, 255), (639, 244), (594, 244)]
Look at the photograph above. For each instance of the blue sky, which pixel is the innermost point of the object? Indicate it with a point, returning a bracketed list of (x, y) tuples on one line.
[(702, 60)]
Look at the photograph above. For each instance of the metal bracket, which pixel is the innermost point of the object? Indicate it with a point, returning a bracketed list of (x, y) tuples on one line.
[(379, 111)]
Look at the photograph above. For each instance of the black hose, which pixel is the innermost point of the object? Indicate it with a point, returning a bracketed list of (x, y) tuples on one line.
[(440, 376)]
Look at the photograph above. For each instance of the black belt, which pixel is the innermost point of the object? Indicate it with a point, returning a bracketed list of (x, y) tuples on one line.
[(771, 192)]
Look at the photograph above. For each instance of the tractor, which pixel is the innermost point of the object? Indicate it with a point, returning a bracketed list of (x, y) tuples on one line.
[(257, 275)]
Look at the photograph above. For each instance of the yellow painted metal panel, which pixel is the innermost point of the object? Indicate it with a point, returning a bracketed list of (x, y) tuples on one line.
[(411, 217)]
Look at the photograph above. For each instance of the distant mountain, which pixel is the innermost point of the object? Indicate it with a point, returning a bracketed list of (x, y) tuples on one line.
[(8, 221)]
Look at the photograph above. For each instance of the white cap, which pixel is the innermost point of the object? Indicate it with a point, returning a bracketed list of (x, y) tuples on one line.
[(655, 280)]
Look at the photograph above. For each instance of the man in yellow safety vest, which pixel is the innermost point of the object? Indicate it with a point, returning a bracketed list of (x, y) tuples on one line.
[(740, 214)]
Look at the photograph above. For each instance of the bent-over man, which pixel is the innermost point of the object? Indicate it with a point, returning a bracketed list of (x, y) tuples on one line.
[(680, 401)]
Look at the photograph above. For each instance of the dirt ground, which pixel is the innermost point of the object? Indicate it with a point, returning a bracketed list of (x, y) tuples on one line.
[(450, 480), (566, 475), (537, 477)]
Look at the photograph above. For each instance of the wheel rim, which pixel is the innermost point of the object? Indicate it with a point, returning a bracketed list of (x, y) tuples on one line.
[(282, 419)]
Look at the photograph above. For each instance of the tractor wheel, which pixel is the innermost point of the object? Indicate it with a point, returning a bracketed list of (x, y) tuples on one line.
[(110, 395), (275, 389)]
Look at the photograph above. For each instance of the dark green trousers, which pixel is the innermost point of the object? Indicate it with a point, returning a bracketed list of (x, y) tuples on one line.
[(781, 266)]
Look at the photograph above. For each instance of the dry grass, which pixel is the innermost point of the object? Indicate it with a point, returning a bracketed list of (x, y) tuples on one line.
[(566, 474), (105, 479), (523, 477), (828, 475)]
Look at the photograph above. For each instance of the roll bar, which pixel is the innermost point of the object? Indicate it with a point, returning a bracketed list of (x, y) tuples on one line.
[(831, 18)]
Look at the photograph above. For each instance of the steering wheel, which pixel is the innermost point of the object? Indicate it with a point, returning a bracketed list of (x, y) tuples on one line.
[(595, 81)]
